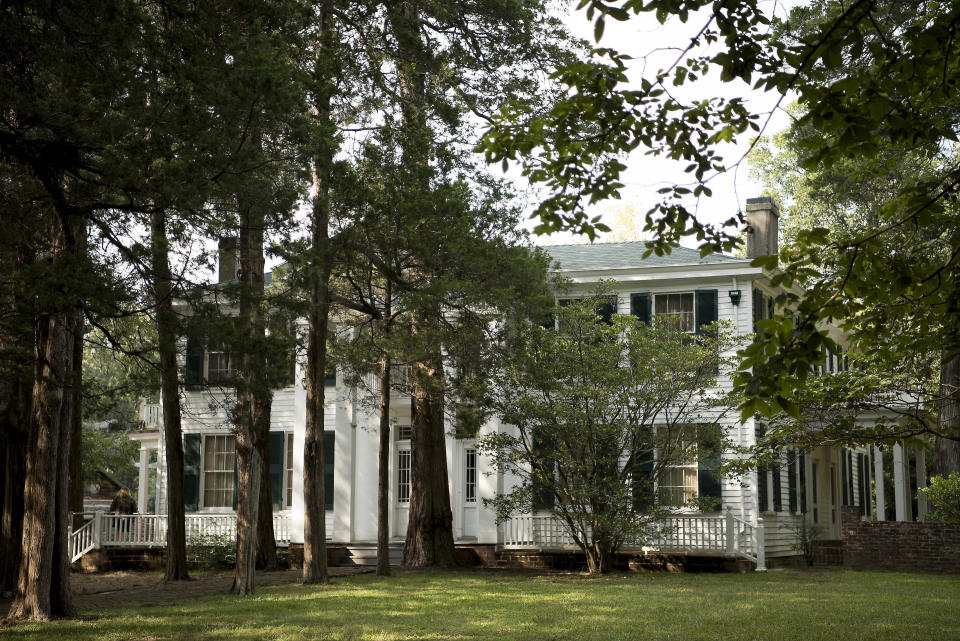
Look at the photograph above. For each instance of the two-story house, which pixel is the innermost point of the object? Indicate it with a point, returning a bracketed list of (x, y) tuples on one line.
[(698, 290)]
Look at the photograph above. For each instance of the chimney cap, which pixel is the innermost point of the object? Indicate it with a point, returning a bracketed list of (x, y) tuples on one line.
[(763, 202)]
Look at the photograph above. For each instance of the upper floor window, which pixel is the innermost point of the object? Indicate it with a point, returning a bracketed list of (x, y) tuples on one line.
[(219, 369)]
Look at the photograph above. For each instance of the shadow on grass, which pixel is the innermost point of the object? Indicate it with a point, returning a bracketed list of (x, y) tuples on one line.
[(481, 605)]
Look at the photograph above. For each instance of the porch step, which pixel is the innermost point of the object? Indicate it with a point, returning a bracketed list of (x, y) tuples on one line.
[(365, 554)]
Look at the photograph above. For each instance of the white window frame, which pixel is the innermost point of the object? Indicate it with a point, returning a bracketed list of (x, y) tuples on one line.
[(470, 475), (680, 314), (204, 471), (225, 375), (404, 468), (693, 464), (287, 471), (404, 456)]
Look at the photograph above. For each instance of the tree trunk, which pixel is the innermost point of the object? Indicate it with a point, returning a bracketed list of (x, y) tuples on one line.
[(267, 545), (383, 471), (248, 508), (76, 433), (430, 528), (176, 567), (946, 451), (599, 553), (254, 401), (17, 339), (11, 528), (314, 485), (44, 547)]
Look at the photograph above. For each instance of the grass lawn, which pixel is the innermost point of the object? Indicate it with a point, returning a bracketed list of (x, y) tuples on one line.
[(493, 605)]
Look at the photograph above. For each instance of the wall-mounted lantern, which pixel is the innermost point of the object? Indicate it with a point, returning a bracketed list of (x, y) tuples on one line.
[(734, 296)]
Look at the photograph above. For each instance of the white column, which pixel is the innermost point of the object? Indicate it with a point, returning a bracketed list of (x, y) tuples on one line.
[(142, 490), (921, 483), (901, 483), (878, 483), (156, 503), (299, 437)]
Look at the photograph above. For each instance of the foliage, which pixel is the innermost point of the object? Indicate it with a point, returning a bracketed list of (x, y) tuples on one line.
[(777, 606), (591, 402), (806, 537), (212, 552), (873, 80), (112, 453), (944, 495)]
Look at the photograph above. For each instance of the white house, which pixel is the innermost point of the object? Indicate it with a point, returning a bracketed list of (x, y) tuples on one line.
[(809, 486)]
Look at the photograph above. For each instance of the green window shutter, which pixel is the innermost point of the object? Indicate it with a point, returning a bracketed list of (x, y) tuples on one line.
[(236, 483), (707, 308), (606, 310), (777, 490), (193, 375), (641, 306), (803, 482), (850, 476), (708, 462), (276, 469), (864, 508), (329, 441), (792, 481), (763, 502), (548, 321), (542, 496), (642, 489), (844, 473), (330, 376), (757, 308), (191, 472)]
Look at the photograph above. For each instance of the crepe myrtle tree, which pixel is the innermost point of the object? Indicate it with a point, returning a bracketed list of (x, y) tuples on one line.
[(612, 415)]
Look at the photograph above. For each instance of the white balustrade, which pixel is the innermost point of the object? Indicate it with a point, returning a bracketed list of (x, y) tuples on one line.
[(150, 530), (724, 534)]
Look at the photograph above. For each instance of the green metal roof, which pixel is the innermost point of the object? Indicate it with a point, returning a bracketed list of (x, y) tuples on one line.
[(626, 255)]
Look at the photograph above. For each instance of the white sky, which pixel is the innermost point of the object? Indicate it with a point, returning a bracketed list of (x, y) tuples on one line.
[(644, 36)]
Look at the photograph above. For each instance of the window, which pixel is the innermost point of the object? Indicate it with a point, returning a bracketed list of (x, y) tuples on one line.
[(288, 471), (403, 476), (219, 370), (403, 432), (678, 308), (678, 482), (219, 463), (470, 468)]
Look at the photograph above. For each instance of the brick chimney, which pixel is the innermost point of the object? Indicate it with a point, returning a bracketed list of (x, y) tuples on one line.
[(763, 219), (228, 256)]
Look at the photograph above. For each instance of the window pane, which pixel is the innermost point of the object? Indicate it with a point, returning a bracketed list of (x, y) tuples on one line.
[(470, 490), (403, 476)]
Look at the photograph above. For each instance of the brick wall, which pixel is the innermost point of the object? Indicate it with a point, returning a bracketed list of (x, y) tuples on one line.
[(892, 545)]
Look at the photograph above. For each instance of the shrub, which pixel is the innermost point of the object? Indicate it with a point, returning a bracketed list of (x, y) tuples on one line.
[(944, 494), (212, 552)]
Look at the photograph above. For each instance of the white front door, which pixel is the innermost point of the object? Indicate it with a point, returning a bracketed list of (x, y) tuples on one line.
[(467, 495)]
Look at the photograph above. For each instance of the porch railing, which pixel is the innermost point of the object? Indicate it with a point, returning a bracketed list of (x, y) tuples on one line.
[(101, 530), (722, 534)]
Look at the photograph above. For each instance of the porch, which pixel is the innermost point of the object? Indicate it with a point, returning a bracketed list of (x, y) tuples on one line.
[(105, 530), (718, 535)]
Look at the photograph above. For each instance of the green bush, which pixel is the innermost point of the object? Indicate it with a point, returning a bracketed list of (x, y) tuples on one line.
[(944, 495), (212, 552)]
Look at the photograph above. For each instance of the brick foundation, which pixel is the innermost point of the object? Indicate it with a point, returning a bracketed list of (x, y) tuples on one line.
[(655, 562), (336, 554), (902, 546)]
